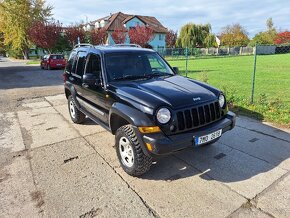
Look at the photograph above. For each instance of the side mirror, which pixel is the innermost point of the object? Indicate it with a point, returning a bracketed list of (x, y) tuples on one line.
[(90, 79), (176, 70)]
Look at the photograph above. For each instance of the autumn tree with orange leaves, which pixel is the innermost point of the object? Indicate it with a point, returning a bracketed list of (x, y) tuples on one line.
[(234, 35), (283, 38)]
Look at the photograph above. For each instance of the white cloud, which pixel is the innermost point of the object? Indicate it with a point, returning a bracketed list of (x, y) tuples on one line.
[(173, 14)]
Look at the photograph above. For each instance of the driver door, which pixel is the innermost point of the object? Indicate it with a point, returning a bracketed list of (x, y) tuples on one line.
[(95, 93)]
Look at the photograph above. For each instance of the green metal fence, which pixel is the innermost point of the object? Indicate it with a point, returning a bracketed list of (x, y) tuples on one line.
[(253, 78)]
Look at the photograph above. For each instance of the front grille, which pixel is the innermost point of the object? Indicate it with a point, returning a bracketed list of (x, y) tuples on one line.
[(198, 116)]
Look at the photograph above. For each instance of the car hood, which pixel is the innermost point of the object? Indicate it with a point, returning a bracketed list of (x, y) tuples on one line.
[(174, 91)]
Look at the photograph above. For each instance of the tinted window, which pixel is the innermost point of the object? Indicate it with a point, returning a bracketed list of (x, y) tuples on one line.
[(70, 62), (57, 57), (81, 63), (94, 65)]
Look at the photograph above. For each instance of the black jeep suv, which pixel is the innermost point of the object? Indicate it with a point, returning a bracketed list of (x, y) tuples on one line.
[(134, 93)]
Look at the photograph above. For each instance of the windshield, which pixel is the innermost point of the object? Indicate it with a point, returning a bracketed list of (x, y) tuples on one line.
[(132, 66)]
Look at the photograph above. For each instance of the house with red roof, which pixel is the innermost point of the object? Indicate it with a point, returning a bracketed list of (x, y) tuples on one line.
[(120, 20)]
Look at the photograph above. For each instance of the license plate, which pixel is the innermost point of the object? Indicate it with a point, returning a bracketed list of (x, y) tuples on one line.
[(58, 64), (207, 138)]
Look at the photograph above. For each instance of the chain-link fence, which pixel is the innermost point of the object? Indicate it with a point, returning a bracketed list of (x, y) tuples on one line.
[(256, 80)]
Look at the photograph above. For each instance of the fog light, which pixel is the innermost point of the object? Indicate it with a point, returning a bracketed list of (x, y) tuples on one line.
[(149, 146), (149, 129)]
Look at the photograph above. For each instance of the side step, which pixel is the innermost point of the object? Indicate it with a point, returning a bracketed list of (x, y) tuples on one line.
[(95, 120)]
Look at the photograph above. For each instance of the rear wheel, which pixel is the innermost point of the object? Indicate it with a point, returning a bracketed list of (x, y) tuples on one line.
[(129, 152), (75, 114)]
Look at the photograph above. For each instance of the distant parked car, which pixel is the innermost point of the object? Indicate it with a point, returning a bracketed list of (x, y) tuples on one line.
[(53, 61)]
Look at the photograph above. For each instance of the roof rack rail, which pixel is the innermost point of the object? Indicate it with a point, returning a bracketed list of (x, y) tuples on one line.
[(126, 45), (83, 45)]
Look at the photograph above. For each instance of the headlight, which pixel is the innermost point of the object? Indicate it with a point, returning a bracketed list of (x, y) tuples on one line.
[(222, 100), (163, 115)]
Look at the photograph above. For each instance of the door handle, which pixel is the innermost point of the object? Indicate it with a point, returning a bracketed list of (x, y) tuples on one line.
[(71, 78)]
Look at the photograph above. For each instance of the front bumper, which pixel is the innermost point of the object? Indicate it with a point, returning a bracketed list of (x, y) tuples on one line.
[(163, 145)]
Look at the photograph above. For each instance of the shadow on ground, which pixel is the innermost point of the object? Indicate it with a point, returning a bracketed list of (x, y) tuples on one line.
[(244, 111)]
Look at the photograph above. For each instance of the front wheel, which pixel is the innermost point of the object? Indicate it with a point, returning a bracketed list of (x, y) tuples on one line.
[(129, 152), (75, 114)]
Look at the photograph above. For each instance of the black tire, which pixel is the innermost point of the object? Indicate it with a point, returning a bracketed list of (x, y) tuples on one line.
[(75, 114), (141, 162)]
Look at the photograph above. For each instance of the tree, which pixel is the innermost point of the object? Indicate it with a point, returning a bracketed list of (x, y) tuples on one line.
[(234, 35), (283, 38), (270, 24), (98, 36), (210, 41), (2, 47), (171, 37), (266, 37), (194, 35), (119, 35), (16, 18), (62, 44), (140, 35), (73, 33), (45, 35)]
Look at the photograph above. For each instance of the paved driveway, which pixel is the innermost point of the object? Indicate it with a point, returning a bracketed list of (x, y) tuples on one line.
[(53, 168)]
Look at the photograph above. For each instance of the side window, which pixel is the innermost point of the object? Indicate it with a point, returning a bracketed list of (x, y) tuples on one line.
[(94, 65), (70, 62), (81, 63)]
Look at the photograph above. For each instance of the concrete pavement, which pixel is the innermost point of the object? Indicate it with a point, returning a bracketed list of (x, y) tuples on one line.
[(50, 167)]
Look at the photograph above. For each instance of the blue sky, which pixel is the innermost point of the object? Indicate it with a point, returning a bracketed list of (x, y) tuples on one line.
[(173, 13)]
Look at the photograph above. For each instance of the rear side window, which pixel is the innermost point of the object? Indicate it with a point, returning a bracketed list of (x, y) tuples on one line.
[(70, 62), (81, 63)]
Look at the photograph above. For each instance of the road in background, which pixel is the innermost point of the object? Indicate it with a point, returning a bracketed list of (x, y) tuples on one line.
[(20, 81)]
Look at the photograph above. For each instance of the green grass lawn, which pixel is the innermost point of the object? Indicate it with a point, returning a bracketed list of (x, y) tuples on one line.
[(233, 75), (33, 62)]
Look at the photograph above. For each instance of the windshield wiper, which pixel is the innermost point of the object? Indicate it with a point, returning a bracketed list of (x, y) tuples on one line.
[(159, 74), (131, 77)]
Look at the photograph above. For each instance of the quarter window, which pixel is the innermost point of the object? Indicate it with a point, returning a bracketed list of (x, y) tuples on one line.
[(81, 63), (70, 62)]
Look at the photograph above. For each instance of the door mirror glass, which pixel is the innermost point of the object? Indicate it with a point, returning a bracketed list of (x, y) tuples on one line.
[(176, 70)]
